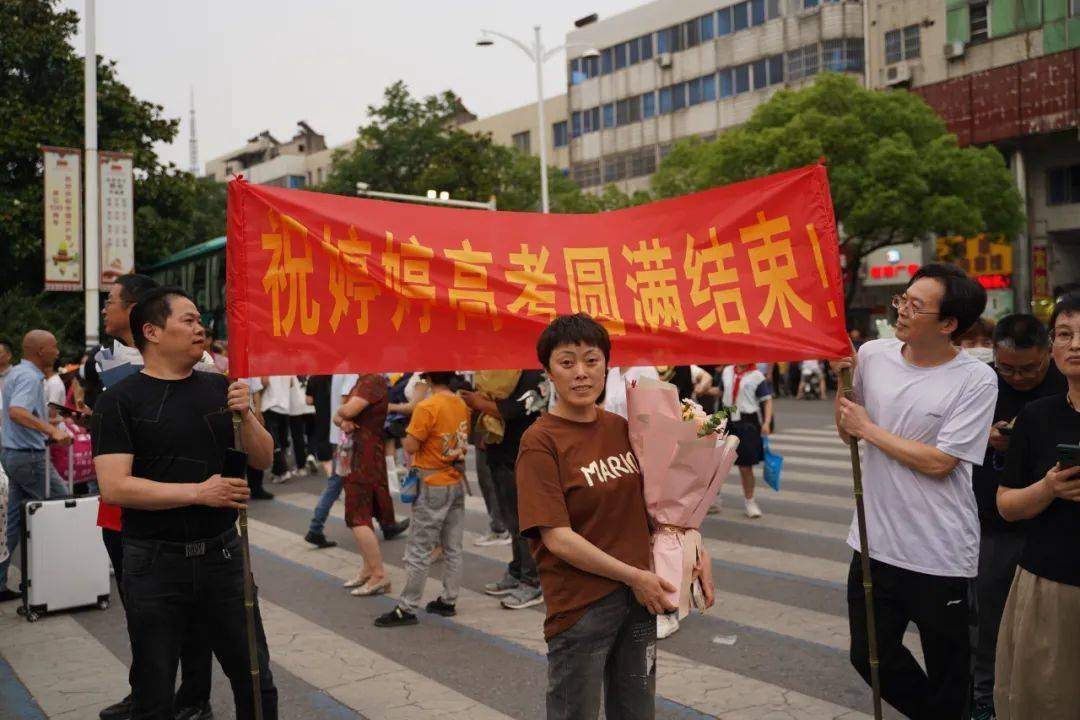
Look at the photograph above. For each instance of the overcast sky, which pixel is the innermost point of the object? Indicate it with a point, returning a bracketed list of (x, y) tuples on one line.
[(265, 64)]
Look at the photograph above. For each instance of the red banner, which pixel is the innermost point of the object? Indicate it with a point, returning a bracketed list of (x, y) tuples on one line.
[(320, 284)]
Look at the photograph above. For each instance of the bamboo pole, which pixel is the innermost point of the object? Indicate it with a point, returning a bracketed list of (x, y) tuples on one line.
[(249, 593), (864, 556)]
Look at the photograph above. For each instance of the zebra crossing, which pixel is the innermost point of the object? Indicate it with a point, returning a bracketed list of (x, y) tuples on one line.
[(774, 646)]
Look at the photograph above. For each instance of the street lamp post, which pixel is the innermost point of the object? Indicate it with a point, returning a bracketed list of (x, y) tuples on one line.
[(91, 268), (537, 54)]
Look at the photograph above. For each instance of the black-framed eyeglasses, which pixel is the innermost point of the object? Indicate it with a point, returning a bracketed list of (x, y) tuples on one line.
[(902, 304)]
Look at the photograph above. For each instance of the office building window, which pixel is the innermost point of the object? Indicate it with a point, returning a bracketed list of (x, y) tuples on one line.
[(978, 13), (648, 105), (575, 124), (742, 78), (740, 15), (678, 96), (760, 73), (586, 174), (911, 42), (643, 162), (607, 61), (665, 100), (727, 82), (832, 55), (1074, 8), (522, 142), (802, 62), (706, 22), (775, 10), (776, 69), (609, 116), (622, 112), (894, 47), (692, 32), (646, 46), (853, 59), (558, 134), (902, 44), (807, 4), (1063, 185), (723, 21), (693, 88), (587, 121), (635, 51), (757, 12), (614, 168), (620, 56), (708, 88)]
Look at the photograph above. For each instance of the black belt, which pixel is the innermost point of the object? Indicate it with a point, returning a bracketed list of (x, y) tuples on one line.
[(197, 548)]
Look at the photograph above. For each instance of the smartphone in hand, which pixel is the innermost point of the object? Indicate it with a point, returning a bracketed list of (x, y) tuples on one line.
[(1068, 456)]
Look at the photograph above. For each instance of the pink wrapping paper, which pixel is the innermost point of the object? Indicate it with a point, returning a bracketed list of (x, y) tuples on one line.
[(682, 474)]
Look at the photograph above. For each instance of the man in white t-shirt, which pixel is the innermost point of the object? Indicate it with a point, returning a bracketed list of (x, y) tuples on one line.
[(923, 411)]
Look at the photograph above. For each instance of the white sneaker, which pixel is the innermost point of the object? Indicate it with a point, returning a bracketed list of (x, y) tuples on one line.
[(312, 465), (752, 509), (280, 479), (667, 625), (493, 538)]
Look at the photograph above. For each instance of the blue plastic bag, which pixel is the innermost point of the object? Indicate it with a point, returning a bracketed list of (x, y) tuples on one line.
[(773, 465), (410, 486)]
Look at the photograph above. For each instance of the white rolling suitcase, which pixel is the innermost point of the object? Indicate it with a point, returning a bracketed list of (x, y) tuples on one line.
[(64, 563)]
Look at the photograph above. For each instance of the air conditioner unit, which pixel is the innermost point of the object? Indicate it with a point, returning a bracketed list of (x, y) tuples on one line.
[(898, 74), (954, 50), (664, 60)]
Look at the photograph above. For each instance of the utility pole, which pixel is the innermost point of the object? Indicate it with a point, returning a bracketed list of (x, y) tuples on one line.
[(93, 249)]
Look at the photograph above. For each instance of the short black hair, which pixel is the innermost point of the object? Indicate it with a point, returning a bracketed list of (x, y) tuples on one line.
[(154, 308), (964, 299), (579, 329), (7, 344), (134, 286), (439, 377), (1066, 288), (1067, 305), (1021, 332)]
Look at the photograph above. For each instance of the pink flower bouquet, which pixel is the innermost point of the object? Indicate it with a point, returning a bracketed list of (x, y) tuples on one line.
[(684, 455)]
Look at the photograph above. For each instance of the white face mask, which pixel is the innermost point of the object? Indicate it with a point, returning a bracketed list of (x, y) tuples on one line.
[(982, 354)]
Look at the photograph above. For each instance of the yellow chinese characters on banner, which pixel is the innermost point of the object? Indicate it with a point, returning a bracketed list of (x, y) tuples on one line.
[(717, 288), (470, 294), (591, 285), (530, 271), (349, 279), (407, 268), (773, 263), (286, 276), (656, 294)]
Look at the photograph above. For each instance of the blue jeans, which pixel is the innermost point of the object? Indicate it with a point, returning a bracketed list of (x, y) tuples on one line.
[(26, 481), (326, 501)]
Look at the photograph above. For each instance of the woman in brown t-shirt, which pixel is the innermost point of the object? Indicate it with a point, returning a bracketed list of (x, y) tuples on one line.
[(582, 506)]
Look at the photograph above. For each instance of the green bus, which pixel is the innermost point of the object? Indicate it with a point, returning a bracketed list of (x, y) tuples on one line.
[(200, 271)]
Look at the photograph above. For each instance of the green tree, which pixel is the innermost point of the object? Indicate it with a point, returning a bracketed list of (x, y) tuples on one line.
[(895, 173), (41, 103), (411, 145)]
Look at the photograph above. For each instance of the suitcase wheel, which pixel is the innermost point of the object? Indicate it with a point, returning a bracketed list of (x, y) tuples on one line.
[(33, 616), (103, 604)]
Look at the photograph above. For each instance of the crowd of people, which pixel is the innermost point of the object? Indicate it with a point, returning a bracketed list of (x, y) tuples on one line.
[(971, 497)]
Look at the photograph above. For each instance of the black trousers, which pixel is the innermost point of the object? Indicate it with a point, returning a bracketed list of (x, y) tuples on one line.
[(942, 609), (170, 596), (281, 427), (522, 566), (196, 658)]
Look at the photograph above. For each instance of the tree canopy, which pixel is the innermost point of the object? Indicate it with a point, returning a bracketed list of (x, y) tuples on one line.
[(41, 103), (411, 145), (895, 173)]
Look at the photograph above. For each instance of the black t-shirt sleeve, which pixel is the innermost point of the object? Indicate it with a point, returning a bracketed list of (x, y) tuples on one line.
[(1020, 468), (512, 408), (110, 428)]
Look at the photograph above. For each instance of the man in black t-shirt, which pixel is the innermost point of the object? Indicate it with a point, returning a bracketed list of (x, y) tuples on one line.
[(1025, 373), (520, 586), (160, 440)]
